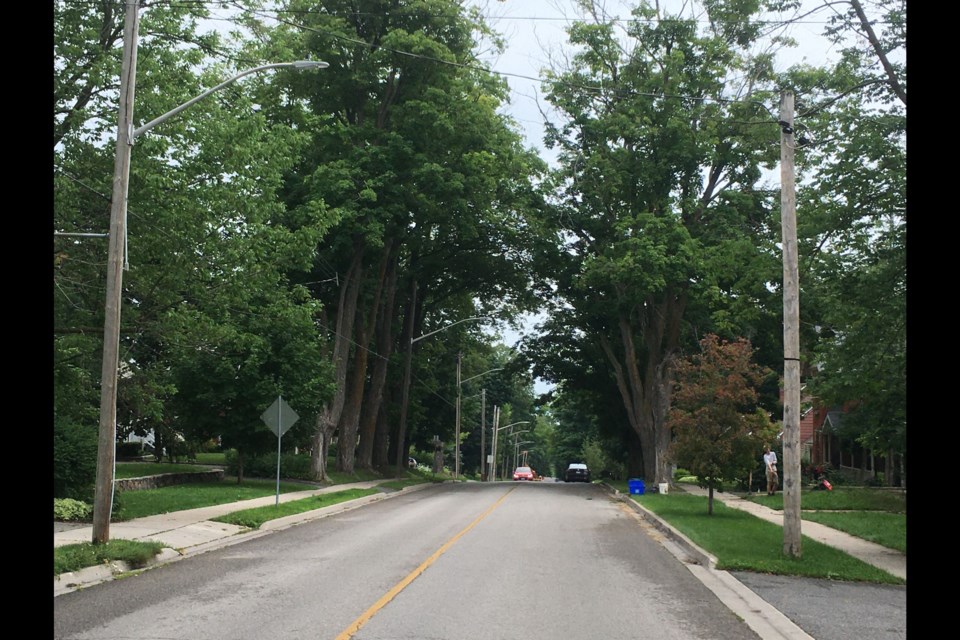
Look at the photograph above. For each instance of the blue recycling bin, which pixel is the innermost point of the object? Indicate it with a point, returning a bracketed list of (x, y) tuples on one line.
[(636, 486)]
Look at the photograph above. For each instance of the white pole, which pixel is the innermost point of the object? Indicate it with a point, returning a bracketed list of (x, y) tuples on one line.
[(279, 435)]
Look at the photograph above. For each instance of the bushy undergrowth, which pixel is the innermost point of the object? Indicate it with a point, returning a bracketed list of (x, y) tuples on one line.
[(70, 510), (74, 460), (292, 466)]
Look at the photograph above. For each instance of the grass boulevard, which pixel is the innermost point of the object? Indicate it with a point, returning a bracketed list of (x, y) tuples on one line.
[(743, 542), (739, 541)]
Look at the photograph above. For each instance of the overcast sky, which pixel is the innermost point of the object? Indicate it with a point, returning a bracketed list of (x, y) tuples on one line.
[(535, 29)]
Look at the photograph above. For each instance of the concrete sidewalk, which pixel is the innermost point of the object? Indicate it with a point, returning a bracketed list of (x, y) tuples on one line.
[(193, 530)]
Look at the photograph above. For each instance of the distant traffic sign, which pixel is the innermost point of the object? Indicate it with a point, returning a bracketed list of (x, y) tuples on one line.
[(280, 416)]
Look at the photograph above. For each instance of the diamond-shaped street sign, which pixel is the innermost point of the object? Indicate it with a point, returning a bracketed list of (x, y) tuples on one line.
[(280, 416)]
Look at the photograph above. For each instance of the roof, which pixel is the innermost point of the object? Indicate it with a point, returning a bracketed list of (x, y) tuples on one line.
[(834, 420)]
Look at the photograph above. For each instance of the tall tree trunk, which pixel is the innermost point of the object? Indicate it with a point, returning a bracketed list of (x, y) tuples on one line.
[(381, 437), (646, 397), (373, 399), (350, 418), (410, 324), (329, 415)]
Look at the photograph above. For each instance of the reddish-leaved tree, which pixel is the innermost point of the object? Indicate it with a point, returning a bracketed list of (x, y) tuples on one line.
[(718, 429)]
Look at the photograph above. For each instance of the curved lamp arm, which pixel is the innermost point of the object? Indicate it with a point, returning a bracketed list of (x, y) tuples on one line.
[(299, 64)]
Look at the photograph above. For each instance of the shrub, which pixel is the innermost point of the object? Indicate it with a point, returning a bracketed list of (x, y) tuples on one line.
[(74, 461), (292, 466), (840, 477), (210, 446), (69, 510), (814, 472)]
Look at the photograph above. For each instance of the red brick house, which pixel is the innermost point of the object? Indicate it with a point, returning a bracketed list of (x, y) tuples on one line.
[(820, 443)]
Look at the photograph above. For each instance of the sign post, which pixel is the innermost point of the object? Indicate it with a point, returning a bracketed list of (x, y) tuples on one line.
[(279, 417)]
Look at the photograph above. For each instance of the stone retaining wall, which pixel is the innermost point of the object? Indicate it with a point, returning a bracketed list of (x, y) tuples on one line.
[(167, 479)]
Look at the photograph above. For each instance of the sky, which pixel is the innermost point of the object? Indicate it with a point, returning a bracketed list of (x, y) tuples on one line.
[(535, 29)]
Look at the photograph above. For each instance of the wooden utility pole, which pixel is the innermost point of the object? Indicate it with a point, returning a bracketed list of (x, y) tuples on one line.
[(483, 434), (492, 474), (107, 441), (456, 449), (791, 334)]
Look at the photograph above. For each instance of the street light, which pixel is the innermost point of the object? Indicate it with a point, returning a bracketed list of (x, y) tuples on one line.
[(493, 441), (106, 446), (515, 445), (427, 335), (405, 394), (456, 468), (516, 450)]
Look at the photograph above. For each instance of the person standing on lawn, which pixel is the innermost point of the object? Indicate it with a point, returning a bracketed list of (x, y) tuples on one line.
[(770, 461)]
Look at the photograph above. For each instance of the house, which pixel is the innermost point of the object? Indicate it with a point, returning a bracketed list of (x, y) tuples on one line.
[(821, 443), (821, 430)]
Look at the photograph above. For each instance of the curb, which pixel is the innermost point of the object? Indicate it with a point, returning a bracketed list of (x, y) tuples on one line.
[(768, 622), (89, 576), (73, 580), (697, 555)]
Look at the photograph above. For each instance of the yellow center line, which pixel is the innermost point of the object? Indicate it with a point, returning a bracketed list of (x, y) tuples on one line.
[(357, 624)]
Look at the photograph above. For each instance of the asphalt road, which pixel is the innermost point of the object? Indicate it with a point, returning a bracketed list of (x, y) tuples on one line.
[(455, 561), (832, 610)]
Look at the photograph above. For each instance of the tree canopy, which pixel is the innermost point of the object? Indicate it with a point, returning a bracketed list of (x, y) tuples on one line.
[(294, 233)]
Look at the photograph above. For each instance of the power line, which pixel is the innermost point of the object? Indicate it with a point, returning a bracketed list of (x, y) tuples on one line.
[(487, 17)]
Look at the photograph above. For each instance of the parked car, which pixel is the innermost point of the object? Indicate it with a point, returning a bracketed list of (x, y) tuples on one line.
[(577, 472), (523, 473)]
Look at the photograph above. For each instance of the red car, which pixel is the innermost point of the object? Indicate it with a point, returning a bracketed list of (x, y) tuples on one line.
[(523, 473)]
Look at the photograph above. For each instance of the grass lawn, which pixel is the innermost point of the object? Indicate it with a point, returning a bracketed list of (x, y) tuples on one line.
[(742, 542), (876, 515), (253, 518), (148, 502), (847, 499), (73, 557), (215, 457), (887, 529)]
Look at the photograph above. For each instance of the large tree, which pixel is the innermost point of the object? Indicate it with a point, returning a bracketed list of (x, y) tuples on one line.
[(664, 227), (428, 183), (208, 257)]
